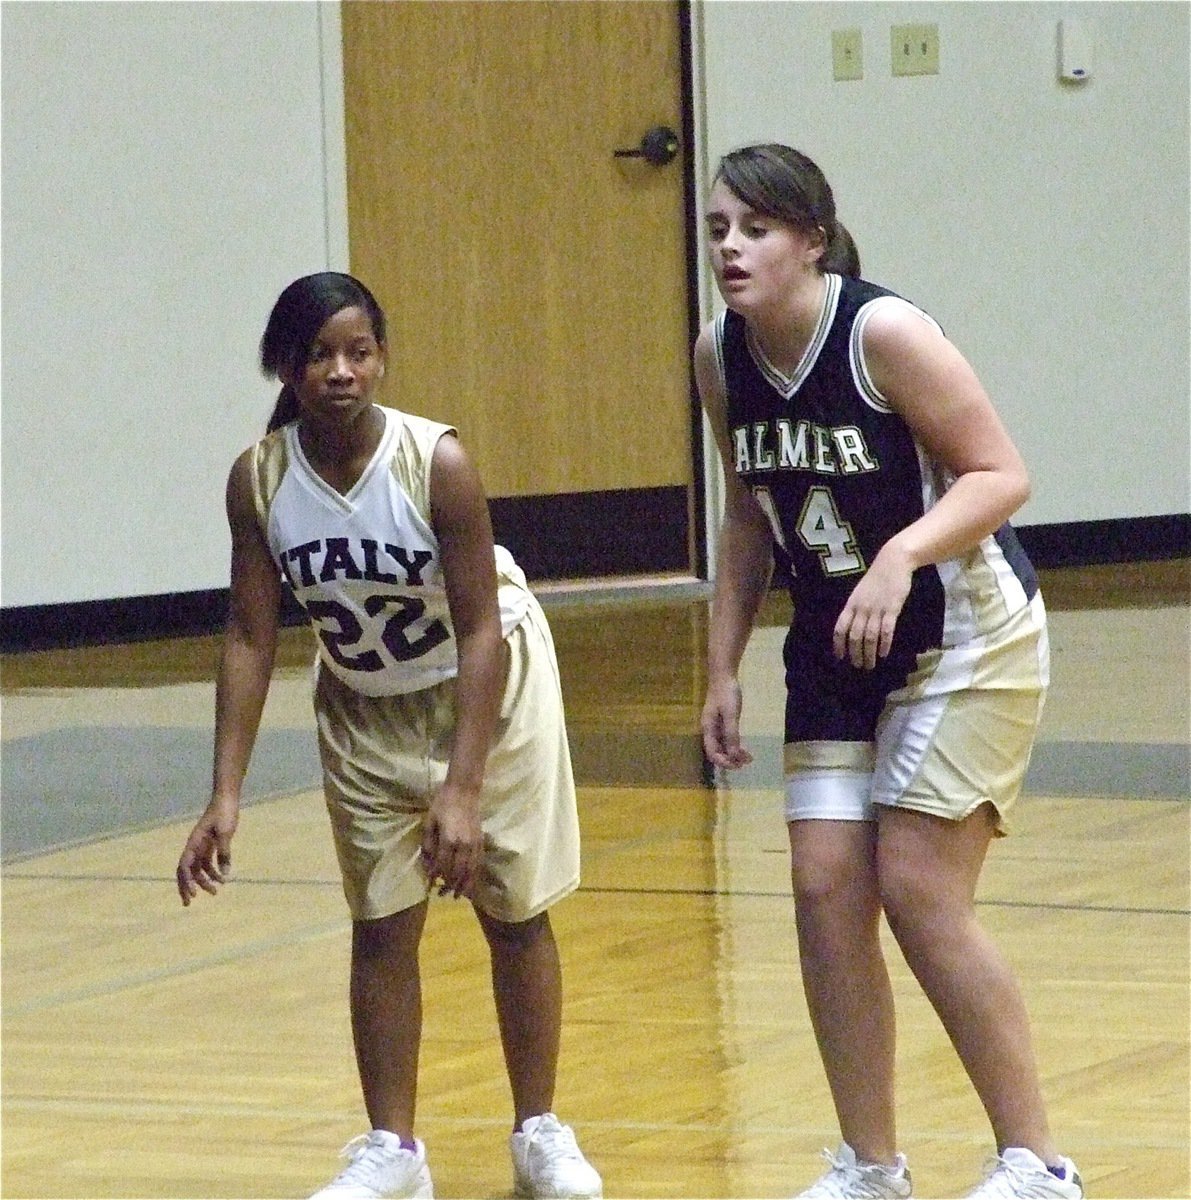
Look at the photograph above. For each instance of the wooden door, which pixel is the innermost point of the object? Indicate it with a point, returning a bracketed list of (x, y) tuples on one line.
[(536, 285)]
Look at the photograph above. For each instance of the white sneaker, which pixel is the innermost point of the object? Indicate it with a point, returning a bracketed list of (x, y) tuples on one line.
[(1019, 1174), (379, 1168), (548, 1164), (851, 1179)]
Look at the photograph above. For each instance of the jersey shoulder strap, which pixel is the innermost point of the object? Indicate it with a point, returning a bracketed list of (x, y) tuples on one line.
[(269, 463), (413, 451)]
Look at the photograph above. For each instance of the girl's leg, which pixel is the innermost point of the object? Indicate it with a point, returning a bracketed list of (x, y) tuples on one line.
[(386, 1012), (928, 868), (527, 986), (837, 906)]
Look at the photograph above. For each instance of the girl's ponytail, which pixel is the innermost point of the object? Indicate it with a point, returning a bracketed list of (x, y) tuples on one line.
[(841, 256), (285, 410)]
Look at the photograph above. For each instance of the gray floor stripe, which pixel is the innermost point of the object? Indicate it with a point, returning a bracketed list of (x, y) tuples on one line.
[(73, 785)]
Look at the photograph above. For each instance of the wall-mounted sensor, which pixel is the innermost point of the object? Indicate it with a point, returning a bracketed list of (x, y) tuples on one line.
[(1075, 51)]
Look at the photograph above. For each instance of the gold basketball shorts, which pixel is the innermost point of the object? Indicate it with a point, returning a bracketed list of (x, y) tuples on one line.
[(384, 757), (957, 734)]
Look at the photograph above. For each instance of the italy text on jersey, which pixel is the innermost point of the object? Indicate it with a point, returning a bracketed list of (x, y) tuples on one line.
[(392, 615)]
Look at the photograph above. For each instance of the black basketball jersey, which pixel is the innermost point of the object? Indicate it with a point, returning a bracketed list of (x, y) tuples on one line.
[(838, 472)]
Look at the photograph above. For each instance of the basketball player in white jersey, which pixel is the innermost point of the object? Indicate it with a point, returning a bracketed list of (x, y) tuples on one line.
[(860, 449), (439, 714)]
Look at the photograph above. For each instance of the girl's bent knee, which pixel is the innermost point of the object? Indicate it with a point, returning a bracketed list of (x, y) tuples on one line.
[(514, 935), (826, 880), (399, 932)]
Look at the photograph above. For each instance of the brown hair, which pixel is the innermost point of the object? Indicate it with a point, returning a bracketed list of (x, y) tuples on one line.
[(780, 182)]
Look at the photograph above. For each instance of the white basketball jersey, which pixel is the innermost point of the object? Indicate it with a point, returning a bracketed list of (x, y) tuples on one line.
[(366, 565)]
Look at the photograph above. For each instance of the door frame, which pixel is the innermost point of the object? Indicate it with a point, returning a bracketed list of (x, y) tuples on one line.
[(707, 489)]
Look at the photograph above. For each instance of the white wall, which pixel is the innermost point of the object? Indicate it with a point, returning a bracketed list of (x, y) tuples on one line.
[(1046, 225), (167, 169)]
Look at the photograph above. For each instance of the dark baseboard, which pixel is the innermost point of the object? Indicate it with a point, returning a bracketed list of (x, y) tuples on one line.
[(1097, 543), (129, 619), (621, 527), (593, 535)]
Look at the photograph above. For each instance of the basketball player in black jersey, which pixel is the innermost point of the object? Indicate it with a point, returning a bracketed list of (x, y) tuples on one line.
[(860, 449)]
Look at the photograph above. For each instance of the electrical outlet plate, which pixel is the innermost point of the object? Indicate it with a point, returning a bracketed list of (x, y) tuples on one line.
[(847, 56), (914, 49)]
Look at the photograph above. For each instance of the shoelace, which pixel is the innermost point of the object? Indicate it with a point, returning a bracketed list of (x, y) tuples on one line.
[(845, 1181), (364, 1158), (555, 1143), (1004, 1181)]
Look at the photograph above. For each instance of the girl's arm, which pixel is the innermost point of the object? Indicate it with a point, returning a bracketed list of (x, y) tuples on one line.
[(452, 842), (930, 384), (245, 668), (743, 569)]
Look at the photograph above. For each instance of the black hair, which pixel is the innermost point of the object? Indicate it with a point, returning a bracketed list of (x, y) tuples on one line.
[(302, 309), (780, 182)]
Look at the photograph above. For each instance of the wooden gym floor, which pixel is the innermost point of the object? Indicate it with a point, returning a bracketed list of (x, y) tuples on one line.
[(151, 1051)]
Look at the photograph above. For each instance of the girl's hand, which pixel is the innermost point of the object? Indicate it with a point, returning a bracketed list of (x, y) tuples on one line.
[(206, 860), (453, 842), (720, 724), (864, 630)]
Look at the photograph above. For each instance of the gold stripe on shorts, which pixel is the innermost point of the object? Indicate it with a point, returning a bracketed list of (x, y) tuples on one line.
[(828, 756)]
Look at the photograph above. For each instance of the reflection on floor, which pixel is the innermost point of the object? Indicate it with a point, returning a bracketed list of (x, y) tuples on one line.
[(1116, 722)]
